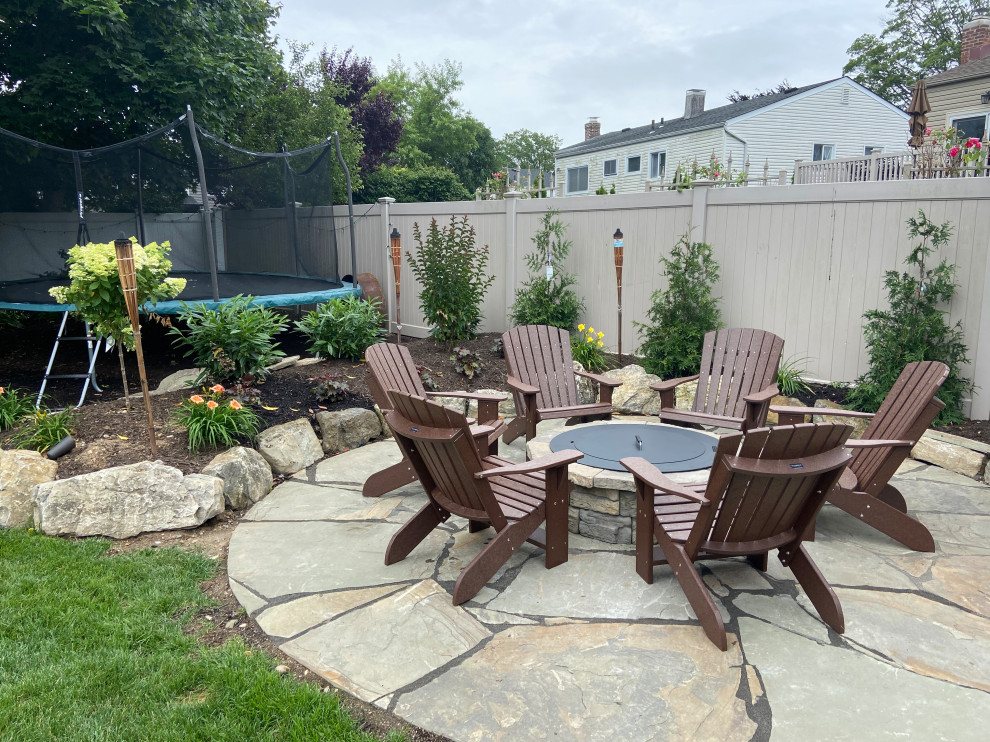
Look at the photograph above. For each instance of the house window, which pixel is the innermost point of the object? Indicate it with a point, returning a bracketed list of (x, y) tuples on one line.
[(871, 150), (823, 152), (611, 168), (658, 163), (633, 164), (971, 126), (577, 179)]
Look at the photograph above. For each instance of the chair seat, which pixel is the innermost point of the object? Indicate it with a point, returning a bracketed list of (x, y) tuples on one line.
[(701, 418), (580, 410), (517, 494), (677, 515)]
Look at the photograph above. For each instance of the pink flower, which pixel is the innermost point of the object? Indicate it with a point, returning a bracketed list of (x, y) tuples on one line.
[(196, 399), (928, 131), (953, 152), (235, 405), (212, 404), (217, 388)]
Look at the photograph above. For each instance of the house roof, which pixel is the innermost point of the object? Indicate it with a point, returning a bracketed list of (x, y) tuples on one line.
[(709, 119), (975, 68)]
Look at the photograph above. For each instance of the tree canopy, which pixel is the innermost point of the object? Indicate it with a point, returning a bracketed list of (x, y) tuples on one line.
[(529, 149), (920, 38), (782, 87), (85, 73)]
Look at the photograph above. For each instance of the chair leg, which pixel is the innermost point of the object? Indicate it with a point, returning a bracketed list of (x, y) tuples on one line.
[(515, 428), (885, 518), (474, 526), (820, 593), (494, 555), (414, 531), (760, 561), (893, 497), (644, 532), (389, 479), (557, 498), (697, 594)]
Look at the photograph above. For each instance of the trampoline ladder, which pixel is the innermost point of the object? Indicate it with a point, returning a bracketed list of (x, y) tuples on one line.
[(92, 348)]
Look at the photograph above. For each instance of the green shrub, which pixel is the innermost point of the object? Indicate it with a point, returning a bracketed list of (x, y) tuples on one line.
[(681, 315), (343, 328), (588, 349), (417, 185), (43, 429), (914, 327), (790, 379), (547, 298), (14, 406), (451, 269), (232, 342), (11, 318), (215, 423)]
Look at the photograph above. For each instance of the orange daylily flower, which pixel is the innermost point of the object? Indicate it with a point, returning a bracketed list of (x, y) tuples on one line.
[(196, 399), (212, 404), (217, 388), (235, 405)]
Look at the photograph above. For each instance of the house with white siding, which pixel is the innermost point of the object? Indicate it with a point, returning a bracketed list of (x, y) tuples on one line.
[(960, 97), (828, 120)]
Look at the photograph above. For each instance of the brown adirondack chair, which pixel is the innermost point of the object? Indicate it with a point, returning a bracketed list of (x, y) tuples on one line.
[(736, 383), (542, 379), (865, 490), (487, 490), (390, 368), (765, 488)]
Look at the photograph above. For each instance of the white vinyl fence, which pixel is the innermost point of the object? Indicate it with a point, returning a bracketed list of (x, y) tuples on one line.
[(802, 261)]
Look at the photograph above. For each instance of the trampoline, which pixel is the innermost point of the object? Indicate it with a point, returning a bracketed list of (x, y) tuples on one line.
[(267, 289)]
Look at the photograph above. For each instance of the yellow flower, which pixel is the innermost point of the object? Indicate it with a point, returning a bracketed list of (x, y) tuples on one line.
[(588, 339), (580, 328), (601, 335), (600, 343), (591, 330)]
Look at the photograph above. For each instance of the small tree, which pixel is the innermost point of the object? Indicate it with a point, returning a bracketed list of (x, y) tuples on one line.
[(95, 289), (451, 269), (914, 328), (681, 315), (547, 297)]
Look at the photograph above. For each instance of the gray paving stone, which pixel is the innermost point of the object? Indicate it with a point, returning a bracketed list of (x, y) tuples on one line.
[(303, 501), (739, 575), (926, 495), (959, 534), (920, 635), (823, 693), (409, 634), (586, 682), (603, 585), (356, 465), (785, 612), (250, 602), (466, 546), (965, 580), (276, 559), (296, 616), (495, 618)]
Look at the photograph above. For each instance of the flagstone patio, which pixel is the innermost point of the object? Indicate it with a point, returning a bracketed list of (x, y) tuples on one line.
[(588, 651)]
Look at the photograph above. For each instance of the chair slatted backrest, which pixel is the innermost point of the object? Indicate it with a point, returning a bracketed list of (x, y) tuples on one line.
[(767, 485), (392, 367), (735, 362), (438, 443), (907, 410), (541, 356)]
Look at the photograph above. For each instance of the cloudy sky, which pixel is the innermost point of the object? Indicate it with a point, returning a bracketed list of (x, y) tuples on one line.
[(549, 65)]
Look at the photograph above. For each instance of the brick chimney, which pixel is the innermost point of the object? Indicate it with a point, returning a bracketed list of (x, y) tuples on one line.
[(592, 129), (694, 103), (975, 34)]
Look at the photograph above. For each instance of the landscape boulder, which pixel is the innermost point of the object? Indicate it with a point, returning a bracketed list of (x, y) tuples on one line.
[(859, 424), (781, 401), (246, 476), (952, 455), (184, 379), (344, 429), (587, 389), (634, 397), (124, 501), (20, 471), (290, 447)]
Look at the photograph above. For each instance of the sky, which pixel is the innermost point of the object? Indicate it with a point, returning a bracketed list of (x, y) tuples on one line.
[(548, 66)]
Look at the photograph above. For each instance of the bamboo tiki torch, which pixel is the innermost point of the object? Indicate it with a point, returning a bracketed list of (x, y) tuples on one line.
[(128, 282), (617, 250), (395, 246)]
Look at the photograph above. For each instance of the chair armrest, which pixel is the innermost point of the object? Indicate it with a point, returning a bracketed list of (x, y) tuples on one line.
[(483, 430), (560, 458), (671, 383), (877, 443), (603, 380), (764, 395), (471, 395), (521, 387), (645, 471), (794, 415)]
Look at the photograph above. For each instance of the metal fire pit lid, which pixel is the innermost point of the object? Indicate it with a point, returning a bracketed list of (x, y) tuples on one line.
[(669, 448)]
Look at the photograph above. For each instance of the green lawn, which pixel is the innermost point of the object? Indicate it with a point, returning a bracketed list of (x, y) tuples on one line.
[(90, 650)]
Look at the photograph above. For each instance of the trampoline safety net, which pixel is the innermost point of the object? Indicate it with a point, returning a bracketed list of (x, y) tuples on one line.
[(270, 214)]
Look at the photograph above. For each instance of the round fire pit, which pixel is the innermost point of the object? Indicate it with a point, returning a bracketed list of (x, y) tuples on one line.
[(669, 448), (603, 497)]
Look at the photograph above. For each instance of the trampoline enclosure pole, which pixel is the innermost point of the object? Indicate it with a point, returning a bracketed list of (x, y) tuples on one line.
[(350, 208), (211, 252)]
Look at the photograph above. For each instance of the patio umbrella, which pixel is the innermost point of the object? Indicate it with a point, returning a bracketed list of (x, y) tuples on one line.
[(918, 110)]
